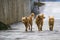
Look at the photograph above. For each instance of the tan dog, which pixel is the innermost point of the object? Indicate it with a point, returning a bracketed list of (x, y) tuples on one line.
[(31, 18), (51, 23), (28, 21), (39, 21)]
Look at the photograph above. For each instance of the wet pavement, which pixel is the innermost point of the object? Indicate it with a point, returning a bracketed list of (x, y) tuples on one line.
[(18, 32)]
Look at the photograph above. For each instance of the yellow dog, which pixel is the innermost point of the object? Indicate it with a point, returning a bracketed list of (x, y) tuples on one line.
[(28, 21), (39, 21), (51, 22)]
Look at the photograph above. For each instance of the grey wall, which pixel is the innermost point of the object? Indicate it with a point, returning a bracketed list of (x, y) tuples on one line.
[(11, 11)]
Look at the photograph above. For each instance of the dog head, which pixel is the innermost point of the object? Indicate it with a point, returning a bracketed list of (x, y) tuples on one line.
[(42, 15)]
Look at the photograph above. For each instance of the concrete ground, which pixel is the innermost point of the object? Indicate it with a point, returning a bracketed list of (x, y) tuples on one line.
[(18, 31)]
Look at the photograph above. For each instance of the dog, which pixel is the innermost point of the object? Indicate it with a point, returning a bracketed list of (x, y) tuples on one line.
[(39, 21), (31, 18), (25, 21), (51, 23), (28, 21)]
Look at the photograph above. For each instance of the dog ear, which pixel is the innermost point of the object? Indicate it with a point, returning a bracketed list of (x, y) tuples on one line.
[(38, 16)]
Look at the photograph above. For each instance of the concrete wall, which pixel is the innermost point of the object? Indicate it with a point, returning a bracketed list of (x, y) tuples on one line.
[(27, 7), (11, 11)]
